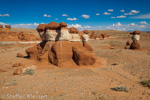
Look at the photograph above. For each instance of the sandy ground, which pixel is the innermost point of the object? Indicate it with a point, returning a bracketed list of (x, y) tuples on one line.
[(91, 83)]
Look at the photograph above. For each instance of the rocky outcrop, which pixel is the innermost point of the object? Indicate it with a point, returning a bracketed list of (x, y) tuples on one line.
[(1, 26), (61, 48)]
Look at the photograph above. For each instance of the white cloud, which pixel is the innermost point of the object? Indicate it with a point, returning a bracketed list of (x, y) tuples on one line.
[(110, 10), (97, 14), (4, 15), (128, 13), (133, 24), (122, 10), (72, 18), (135, 11), (143, 22), (113, 17), (132, 12), (75, 25), (106, 13), (56, 18), (85, 16), (45, 15), (1, 23), (87, 26), (31, 25), (145, 16), (121, 16), (65, 15)]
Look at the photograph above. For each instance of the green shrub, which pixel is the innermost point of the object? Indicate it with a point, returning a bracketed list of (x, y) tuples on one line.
[(28, 71), (146, 83)]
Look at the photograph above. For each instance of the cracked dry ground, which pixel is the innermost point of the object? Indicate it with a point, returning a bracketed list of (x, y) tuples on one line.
[(125, 68)]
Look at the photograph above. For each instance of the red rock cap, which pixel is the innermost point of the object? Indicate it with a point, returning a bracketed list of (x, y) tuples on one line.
[(63, 24), (73, 30), (7, 26), (53, 26), (1, 26), (86, 31), (41, 27)]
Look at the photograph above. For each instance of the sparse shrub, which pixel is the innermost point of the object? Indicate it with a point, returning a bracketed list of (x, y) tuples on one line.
[(121, 89), (146, 83), (28, 71)]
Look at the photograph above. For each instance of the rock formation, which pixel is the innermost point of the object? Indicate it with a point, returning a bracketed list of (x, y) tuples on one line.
[(6, 35), (62, 46), (135, 38), (93, 35), (8, 26), (1, 26)]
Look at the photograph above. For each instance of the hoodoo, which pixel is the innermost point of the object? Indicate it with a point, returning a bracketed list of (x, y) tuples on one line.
[(62, 46)]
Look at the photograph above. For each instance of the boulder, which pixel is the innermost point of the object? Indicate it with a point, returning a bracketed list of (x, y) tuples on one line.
[(41, 27), (34, 52), (61, 54), (53, 26), (18, 71), (63, 24), (88, 46), (19, 55), (135, 45), (82, 56)]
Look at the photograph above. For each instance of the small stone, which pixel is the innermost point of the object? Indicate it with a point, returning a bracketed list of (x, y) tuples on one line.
[(19, 55), (18, 71), (17, 64)]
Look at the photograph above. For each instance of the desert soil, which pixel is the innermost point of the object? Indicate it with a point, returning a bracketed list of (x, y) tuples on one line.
[(124, 67)]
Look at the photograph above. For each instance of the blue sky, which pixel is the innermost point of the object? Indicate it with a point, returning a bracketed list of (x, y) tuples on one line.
[(83, 14)]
